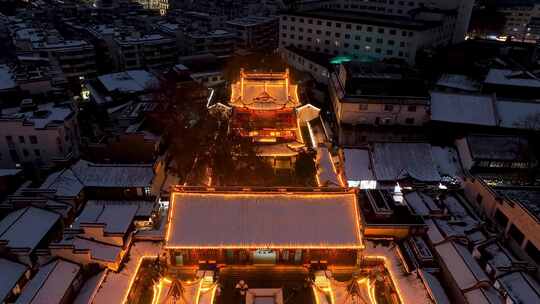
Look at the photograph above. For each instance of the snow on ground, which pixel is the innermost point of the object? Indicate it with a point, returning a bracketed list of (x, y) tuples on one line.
[(409, 286), (115, 286)]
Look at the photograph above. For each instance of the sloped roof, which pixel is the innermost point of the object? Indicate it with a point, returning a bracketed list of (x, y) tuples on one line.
[(462, 108), (462, 266), (25, 228), (495, 147), (117, 216), (50, 284), (357, 165), (129, 81), (512, 78), (263, 220), (70, 182), (11, 274), (396, 161)]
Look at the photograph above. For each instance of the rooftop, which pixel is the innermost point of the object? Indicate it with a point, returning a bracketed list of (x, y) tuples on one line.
[(115, 286), (527, 197), (357, 165), (520, 115), (117, 216), (512, 78), (263, 220), (251, 20), (11, 274), (143, 38), (71, 181), (396, 161), (26, 228), (458, 82), (382, 80), (50, 284), (264, 91), (46, 115), (461, 264), (128, 82), (399, 22), (484, 110), (494, 147), (7, 80), (462, 108)]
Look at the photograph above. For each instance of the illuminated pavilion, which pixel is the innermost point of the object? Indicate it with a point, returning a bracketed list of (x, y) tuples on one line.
[(265, 107)]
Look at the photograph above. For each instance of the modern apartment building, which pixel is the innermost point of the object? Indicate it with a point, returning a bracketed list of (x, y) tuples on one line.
[(402, 8), (138, 50), (76, 58), (367, 36), (521, 19), (255, 32), (218, 42), (38, 135)]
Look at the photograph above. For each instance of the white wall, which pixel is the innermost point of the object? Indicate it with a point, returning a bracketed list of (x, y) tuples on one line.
[(46, 142)]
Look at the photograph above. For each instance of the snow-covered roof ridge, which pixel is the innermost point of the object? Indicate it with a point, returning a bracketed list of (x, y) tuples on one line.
[(116, 216), (394, 161), (71, 181)]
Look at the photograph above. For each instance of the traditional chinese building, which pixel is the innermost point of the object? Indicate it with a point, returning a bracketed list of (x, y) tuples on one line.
[(232, 228), (265, 107)]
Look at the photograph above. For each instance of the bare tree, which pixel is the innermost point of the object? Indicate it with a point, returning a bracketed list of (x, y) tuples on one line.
[(200, 146)]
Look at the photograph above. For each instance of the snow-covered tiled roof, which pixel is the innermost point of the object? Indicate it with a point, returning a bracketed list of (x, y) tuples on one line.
[(7, 79), (264, 220), (25, 228), (10, 274), (51, 284), (71, 181), (357, 165), (512, 78), (90, 288), (462, 108), (325, 170), (117, 216), (495, 147), (521, 287), (129, 81), (460, 263), (396, 161), (459, 82), (105, 175), (64, 182), (447, 161), (519, 115)]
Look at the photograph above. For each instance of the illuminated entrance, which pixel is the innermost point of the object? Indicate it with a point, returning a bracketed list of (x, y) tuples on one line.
[(264, 256)]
